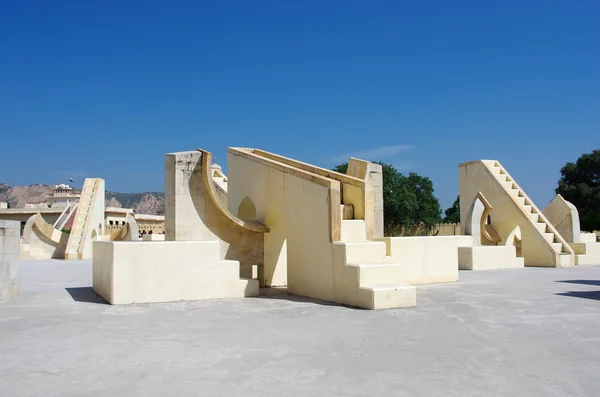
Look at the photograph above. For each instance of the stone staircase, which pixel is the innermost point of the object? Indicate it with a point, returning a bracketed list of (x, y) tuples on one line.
[(366, 278), (81, 222), (529, 211)]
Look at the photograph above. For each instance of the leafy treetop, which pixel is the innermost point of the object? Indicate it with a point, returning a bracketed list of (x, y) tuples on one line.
[(409, 205), (580, 184), (453, 213)]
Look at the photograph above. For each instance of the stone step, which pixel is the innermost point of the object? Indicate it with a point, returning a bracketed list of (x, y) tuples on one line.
[(565, 260), (353, 230), (549, 237), (514, 193), (527, 209), (509, 186), (365, 252), (385, 297), (347, 211), (520, 200), (377, 274)]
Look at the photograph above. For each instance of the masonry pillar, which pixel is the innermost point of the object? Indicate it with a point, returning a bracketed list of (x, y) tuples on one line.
[(184, 198), (375, 176), (9, 258)]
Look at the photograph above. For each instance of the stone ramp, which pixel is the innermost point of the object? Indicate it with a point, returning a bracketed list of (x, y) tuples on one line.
[(89, 218), (542, 245)]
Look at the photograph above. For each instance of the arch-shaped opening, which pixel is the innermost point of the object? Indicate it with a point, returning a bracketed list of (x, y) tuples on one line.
[(247, 210), (488, 221)]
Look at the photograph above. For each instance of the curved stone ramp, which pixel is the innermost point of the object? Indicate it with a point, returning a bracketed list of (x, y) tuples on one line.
[(211, 192), (120, 234), (41, 240), (195, 212), (129, 232)]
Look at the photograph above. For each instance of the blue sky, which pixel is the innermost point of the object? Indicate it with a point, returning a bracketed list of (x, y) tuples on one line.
[(104, 89)]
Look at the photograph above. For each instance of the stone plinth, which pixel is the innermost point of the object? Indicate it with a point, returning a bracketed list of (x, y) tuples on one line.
[(9, 259), (165, 271)]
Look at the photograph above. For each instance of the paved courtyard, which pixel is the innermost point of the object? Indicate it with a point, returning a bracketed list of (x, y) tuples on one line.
[(525, 332)]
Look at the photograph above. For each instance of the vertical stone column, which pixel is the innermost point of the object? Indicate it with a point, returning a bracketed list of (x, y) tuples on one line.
[(372, 174), (9, 259), (375, 176), (184, 198)]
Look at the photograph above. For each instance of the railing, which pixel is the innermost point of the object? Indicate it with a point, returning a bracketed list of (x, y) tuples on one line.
[(73, 210)]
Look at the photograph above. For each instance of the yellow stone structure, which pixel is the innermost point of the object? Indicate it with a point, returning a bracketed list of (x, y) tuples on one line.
[(273, 222), (508, 229)]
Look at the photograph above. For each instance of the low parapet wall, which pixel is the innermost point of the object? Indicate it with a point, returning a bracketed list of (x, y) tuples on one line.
[(426, 259), (446, 229)]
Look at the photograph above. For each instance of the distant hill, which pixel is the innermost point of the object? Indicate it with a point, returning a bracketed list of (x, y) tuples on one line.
[(143, 203)]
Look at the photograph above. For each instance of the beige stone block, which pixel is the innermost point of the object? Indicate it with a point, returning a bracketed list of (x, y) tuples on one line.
[(511, 209), (425, 260), (586, 253), (489, 258), (387, 297), (588, 237), (153, 237), (144, 272)]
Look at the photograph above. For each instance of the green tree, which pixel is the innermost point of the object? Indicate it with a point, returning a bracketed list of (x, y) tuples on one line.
[(409, 205), (580, 184), (452, 214)]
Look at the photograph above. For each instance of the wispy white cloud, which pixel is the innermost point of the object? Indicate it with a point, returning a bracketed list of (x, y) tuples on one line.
[(374, 154), (402, 165)]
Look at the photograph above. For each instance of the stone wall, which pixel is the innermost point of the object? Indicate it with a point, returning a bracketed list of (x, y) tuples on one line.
[(446, 229), (9, 257)]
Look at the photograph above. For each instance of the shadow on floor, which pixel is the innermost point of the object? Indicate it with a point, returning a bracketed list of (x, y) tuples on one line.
[(584, 282), (282, 294), (85, 294), (595, 295)]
